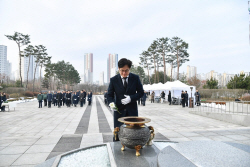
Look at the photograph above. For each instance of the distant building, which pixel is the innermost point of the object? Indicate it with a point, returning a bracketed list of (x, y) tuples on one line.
[(31, 67), (3, 62), (191, 71), (202, 76), (101, 79), (168, 72), (112, 66), (88, 68)]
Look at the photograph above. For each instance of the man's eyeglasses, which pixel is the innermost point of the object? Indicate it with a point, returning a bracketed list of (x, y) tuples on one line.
[(126, 71)]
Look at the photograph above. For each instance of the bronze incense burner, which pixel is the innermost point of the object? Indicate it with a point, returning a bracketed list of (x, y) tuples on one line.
[(134, 133)]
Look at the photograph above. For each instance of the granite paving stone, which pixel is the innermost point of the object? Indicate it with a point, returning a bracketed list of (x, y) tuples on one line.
[(40, 148), (7, 160), (28, 128), (14, 150), (31, 159)]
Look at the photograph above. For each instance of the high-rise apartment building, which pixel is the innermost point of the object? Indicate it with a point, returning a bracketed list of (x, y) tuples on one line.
[(101, 79), (112, 66), (3, 61), (191, 71), (88, 68), (31, 67)]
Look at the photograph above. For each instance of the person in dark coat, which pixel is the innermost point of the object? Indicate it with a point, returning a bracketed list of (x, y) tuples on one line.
[(105, 97), (75, 102), (78, 96), (68, 99), (49, 97), (81, 98), (162, 96), (54, 99), (183, 98), (84, 96), (186, 98), (3, 99), (144, 97), (126, 87), (64, 97), (91, 93), (169, 97), (40, 99), (152, 97), (59, 97), (72, 94), (89, 98), (197, 98), (45, 98)]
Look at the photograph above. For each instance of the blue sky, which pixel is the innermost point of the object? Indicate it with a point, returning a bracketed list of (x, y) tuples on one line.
[(217, 30)]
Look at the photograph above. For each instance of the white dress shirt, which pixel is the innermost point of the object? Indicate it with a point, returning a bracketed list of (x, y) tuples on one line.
[(123, 80)]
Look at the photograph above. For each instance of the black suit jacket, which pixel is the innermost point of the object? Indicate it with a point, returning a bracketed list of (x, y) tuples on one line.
[(116, 92)]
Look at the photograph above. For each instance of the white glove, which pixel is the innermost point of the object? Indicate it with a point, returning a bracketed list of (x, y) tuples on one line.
[(126, 100)]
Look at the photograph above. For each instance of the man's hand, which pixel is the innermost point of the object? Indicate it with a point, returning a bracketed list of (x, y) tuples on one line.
[(126, 100)]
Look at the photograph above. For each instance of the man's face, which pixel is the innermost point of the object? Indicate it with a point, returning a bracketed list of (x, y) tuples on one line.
[(124, 71)]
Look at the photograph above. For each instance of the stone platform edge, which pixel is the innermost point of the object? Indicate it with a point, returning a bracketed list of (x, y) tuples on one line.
[(226, 117)]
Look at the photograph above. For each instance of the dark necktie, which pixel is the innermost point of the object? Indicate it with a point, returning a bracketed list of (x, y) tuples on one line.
[(125, 83)]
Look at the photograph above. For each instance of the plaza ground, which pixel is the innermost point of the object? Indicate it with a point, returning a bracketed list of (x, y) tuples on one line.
[(30, 135)]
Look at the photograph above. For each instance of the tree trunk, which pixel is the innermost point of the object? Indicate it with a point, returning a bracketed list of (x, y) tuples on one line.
[(158, 73), (148, 75), (40, 77), (164, 65), (28, 73), (155, 70), (34, 78), (20, 65), (171, 71), (178, 65)]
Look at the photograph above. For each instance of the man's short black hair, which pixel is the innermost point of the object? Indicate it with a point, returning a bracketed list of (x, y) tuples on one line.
[(122, 62)]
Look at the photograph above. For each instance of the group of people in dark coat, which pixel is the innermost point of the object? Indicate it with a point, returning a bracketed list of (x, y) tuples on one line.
[(184, 98), (68, 98), (2, 100)]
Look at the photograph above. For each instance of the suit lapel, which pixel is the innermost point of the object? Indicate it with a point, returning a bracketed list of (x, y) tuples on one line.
[(130, 81), (119, 81)]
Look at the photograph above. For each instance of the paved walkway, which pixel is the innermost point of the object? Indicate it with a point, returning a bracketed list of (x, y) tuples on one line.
[(30, 135)]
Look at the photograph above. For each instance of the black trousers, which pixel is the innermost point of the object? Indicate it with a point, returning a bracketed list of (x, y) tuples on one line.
[(143, 102), (2, 108), (152, 100), (49, 105), (59, 103), (183, 102), (40, 104), (139, 101), (55, 102), (84, 100), (89, 102), (186, 101), (45, 102), (81, 103), (63, 101), (169, 102)]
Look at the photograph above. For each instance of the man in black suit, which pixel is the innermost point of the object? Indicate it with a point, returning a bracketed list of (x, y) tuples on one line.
[(124, 90)]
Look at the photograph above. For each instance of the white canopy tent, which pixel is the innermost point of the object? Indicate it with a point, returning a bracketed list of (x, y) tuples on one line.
[(175, 87)]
